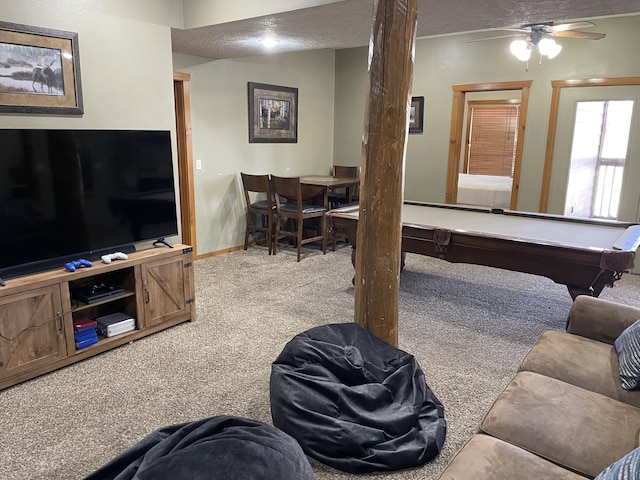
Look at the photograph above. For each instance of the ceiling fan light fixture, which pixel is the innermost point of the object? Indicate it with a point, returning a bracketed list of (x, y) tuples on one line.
[(549, 48), (521, 49)]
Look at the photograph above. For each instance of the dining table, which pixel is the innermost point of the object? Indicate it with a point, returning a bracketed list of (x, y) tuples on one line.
[(329, 183)]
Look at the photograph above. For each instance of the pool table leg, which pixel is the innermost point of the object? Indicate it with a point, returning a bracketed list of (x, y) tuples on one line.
[(575, 291), (604, 278)]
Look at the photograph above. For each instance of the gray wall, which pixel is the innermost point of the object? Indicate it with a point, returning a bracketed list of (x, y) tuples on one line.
[(127, 64), (445, 61), (219, 118)]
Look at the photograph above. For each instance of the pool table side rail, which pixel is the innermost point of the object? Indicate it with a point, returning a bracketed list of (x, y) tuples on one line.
[(584, 270), (580, 269), (518, 213)]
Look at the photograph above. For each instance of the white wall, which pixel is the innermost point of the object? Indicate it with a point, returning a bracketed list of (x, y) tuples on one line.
[(445, 61), (125, 63), (219, 116)]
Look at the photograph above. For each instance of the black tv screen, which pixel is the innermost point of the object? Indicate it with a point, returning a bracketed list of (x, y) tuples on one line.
[(71, 194)]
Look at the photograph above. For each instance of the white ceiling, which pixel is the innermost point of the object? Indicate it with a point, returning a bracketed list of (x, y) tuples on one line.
[(347, 24)]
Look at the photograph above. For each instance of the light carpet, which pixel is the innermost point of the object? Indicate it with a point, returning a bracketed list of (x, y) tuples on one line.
[(468, 326)]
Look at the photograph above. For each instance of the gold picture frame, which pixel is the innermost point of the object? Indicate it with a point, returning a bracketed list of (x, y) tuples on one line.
[(39, 71), (273, 113)]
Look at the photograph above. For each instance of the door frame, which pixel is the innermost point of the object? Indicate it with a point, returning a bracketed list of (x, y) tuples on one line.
[(182, 103), (457, 126), (557, 86)]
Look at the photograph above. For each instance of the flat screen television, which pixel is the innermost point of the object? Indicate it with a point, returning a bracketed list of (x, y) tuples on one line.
[(72, 194)]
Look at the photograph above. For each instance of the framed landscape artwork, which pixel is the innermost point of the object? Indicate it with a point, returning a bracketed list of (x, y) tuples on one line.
[(416, 115), (39, 71), (273, 113)]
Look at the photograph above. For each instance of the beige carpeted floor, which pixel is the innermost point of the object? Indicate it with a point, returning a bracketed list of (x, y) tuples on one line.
[(468, 326)]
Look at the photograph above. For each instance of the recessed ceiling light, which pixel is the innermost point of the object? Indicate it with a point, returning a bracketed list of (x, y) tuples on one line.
[(270, 42)]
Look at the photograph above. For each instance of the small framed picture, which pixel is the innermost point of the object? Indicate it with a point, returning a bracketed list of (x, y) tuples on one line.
[(416, 115), (39, 71), (273, 113)]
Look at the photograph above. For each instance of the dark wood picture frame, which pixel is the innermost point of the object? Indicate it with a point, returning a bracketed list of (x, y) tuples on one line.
[(416, 116), (273, 113), (39, 71)]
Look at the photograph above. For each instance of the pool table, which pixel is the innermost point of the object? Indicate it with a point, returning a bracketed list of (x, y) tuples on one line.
[(584, 254)]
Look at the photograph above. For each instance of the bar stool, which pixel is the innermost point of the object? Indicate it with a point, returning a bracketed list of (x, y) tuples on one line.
[(260, 209)]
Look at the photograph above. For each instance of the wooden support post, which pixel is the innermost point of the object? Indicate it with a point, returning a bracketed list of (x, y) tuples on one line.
[(391, 57)]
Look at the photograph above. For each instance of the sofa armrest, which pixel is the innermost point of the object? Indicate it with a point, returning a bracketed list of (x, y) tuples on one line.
[(600, 319)]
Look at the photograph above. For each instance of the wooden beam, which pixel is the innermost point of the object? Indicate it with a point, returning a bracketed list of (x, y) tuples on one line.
[(391, 58)]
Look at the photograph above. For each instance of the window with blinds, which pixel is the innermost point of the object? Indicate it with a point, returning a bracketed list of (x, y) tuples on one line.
[(493, 133)]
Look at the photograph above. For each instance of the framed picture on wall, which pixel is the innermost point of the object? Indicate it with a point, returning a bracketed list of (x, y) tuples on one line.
[(39, 71), (273, 113), (416, 115)]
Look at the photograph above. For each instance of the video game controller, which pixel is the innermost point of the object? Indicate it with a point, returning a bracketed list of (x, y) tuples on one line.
[(114, 256), (71, 266)]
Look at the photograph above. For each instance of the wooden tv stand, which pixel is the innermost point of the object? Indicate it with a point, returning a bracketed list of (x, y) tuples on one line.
[(37, 311)]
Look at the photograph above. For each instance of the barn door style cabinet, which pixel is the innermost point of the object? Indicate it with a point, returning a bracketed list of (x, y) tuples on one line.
[(38, 312)]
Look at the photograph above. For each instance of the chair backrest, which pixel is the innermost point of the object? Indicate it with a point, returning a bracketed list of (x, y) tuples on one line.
[(287, 187), (343, 171), (256, 184)]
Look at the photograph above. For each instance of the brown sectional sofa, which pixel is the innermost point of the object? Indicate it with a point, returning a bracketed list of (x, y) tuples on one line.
[(564, 415)]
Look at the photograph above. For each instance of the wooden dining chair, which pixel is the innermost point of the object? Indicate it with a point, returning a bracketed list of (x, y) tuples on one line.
[(338, 196), (293, 208), (260, 213)]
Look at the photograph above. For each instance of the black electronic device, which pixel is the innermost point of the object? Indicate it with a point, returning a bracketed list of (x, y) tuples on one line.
[(69, 194), (95, 293)]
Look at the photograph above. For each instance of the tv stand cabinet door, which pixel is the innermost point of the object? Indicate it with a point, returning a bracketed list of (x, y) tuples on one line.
[(31, 332), (166, 290)]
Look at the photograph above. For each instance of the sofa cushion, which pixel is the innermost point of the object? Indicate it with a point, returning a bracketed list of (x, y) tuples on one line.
[(628, 348), (624, 469), (489, 458), (579, 361), (568, 425)]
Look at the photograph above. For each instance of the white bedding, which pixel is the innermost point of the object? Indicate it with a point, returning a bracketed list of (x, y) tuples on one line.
[(484, 190)]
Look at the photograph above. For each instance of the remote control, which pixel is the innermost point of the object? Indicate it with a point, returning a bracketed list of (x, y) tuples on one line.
[(71, 266), (114, 256)]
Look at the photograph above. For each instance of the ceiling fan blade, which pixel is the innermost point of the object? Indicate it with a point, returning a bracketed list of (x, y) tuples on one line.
[(493, 38), (563, 27), (524, 29), (584, 35)]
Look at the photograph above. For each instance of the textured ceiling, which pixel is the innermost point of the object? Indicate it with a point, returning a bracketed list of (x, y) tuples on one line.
[(347, 24)]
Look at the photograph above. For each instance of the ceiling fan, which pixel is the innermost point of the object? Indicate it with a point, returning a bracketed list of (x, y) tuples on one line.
[(540, 34)]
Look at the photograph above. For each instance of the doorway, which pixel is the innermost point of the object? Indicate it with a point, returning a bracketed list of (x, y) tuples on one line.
[(557, 197), (461, 95), (182, 103), (598, 158)]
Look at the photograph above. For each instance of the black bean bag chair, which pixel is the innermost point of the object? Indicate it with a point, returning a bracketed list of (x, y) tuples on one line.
[(220, 448), (354, 402)]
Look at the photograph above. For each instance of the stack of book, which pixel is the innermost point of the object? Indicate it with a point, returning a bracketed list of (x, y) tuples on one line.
[(84, 332)]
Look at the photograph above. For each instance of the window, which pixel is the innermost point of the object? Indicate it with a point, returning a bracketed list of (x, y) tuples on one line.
[(598, 155), (493, 133)]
